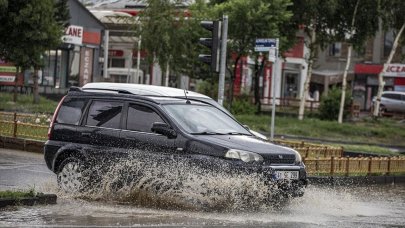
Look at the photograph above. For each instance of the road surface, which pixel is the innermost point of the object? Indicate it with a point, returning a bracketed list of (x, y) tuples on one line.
[(372, 206)]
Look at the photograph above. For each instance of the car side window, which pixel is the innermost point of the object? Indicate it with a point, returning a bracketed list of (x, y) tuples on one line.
[(392, 96), (105, 114), (141, 118), (70, 111)]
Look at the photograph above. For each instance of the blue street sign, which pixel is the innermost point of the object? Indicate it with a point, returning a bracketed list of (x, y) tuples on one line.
[(265, 44)]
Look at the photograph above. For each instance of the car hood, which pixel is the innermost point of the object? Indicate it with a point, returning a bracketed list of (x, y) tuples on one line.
[(244, 142)]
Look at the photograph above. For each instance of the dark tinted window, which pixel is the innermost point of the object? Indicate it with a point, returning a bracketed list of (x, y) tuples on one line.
[(70, 111), (104, 114), (141, 118)]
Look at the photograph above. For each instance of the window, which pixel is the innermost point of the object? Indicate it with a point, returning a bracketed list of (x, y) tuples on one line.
[(105, 114), (335, 49), (141, 118), (392, 96), (118, 63), (71, 111)]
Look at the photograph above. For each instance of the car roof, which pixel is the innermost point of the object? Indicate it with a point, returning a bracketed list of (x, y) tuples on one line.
[(143, 90), (394, 92), (151, 91)]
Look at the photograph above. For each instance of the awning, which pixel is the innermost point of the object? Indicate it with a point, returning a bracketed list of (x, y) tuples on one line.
[(367, 68)]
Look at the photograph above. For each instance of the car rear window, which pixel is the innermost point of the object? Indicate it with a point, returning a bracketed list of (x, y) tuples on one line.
[(71, 111), (104, 114)]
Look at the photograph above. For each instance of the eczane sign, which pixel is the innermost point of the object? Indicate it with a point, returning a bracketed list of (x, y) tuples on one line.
[(395, 70), (73, 35)]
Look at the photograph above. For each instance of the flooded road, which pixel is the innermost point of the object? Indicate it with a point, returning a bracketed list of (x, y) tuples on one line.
[(371, 206), (375, 206)]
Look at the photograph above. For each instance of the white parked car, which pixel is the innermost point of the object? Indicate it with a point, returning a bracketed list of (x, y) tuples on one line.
[(392, 101)]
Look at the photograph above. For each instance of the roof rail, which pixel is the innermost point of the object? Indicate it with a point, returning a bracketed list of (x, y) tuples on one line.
[(109, 90), (75, 89)]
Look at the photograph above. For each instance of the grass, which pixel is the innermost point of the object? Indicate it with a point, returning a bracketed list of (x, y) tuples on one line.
[(381, 131), (17, 194), (25, 104), (368, 149)]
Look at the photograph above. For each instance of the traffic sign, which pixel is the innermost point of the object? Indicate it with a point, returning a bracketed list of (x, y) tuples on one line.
[(265, 44)]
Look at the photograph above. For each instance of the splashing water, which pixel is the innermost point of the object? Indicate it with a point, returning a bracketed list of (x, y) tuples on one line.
[(149, 179)]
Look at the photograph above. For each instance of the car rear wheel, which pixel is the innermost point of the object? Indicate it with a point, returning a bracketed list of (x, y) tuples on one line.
[(70, 176)]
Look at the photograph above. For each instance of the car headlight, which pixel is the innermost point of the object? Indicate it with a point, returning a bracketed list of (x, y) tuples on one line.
[(298, 158), (245, 156)]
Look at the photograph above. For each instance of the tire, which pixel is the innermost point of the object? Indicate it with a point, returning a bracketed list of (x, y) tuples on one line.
[(382, 111), (70, 177)]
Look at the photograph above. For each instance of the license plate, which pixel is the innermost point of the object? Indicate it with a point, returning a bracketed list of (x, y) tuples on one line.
[(286, 175)]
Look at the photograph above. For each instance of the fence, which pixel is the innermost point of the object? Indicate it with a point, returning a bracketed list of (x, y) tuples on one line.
[(19, 125), (311, 150), (319, 159), (355, 166), (288, 102)]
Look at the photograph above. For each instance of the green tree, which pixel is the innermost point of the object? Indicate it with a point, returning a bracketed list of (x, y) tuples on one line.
[(354, 27), (162, 31), (316, 16), (28, 29), (249, 20), (392, 15)]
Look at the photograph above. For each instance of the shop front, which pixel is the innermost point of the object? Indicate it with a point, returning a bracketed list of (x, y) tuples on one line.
[(365, 85), (77, 60)]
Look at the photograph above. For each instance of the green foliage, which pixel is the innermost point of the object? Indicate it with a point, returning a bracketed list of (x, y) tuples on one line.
[(386, 131), (17, 194), (28, 29), (315, 15), (61, 13), (208, 88), (176, 43), (242, 106), (365, 23), (330, 103), (24, 104)]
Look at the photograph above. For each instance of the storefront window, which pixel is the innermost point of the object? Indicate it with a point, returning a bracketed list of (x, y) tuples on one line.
[(74, 66), (290, 85)]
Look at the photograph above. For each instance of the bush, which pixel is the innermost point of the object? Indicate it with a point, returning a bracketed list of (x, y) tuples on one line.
[(241, 105), (330, 104), (207, 88)]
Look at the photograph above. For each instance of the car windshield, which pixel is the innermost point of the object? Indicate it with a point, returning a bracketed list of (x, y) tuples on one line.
[(204, 120)]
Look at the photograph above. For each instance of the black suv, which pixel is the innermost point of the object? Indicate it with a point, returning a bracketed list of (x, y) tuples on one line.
[(103, 118)]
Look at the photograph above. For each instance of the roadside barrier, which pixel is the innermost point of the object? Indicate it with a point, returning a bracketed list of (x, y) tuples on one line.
[(355, 165), (21, 125), (320, 160), (312, 150)]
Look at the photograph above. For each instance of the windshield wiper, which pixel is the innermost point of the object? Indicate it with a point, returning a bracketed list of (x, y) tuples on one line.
[(237, 133), (207, 133)]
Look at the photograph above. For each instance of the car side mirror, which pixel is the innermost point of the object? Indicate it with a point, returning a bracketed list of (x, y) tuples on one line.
[(164, 129), (246, 127)]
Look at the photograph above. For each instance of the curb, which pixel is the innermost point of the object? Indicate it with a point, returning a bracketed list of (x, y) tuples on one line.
[(29, 201), (29, 145), (359, 180)]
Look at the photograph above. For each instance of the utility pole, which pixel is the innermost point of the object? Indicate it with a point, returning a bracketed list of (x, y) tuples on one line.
[(224, 37)]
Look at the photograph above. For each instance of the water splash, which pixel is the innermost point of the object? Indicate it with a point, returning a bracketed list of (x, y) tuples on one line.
[(149, 179)]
